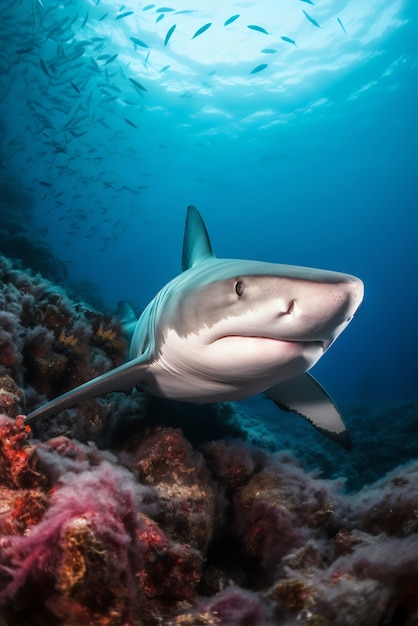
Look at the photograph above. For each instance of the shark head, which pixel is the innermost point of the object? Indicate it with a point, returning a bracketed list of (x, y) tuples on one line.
[(226, 329), (230, 328)]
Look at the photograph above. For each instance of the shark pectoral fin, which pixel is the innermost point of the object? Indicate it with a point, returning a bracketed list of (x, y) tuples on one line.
[(122, 378), (306, 397)]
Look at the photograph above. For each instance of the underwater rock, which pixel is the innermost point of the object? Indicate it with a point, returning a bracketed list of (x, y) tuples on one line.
[(233, 464), (239, 607), (49, 344), (165, 460), (91, 532), (265, 520), (283, 508), (76, 520), (11, 397), (391, 505)]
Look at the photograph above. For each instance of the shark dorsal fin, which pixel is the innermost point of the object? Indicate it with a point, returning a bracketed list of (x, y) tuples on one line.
[(196, 244)]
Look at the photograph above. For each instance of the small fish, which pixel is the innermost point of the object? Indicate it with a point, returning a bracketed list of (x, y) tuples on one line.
[(259, 68), (128, 121), (168, 35), (341, 24), (109, 99), (148, 7), (164, 69), (138, 42), (146, 59), (160, 17), (74, 86), (260, 29), (24, 50), (77, 52), (44, 183), (269, 50), (75, 134), (111, 59), (58, 26), (85, 20), (311, 19), (94, 67), (231, 19), (202, 29), (44, 68), (137, 85), (122, 15), (104, 16), (288, 40), (164, 10), (308, 1)]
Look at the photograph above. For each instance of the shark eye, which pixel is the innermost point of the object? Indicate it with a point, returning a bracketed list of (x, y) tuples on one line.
[(239, 287)]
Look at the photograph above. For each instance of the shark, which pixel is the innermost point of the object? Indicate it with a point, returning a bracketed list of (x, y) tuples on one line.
[(227, 329)]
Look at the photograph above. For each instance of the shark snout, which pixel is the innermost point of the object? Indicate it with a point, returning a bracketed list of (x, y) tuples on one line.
[(344, 299), (354, 288), (318, 311), (348, 295)]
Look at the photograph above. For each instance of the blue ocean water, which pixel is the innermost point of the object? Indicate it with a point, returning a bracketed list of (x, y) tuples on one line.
[(296, 139)]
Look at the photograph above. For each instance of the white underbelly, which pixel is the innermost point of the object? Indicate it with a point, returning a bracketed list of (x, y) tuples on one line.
[(230, 369)]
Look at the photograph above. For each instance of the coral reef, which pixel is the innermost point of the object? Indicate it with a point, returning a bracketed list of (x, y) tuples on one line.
[(118, 512), (49, 344)]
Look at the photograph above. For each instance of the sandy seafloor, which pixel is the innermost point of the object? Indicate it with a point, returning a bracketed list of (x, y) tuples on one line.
[(293, 129)]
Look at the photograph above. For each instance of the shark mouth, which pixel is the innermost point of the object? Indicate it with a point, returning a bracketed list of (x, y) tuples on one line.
[(324, 345)]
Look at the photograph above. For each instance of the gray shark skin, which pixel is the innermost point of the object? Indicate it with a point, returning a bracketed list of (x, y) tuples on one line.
[(227, 329)]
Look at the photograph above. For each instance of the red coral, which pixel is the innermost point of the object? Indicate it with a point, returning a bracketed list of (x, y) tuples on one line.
[(20, 465), (93, 536)]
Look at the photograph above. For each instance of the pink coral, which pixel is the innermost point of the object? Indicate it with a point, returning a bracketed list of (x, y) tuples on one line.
[(91, 538), (240, 608)]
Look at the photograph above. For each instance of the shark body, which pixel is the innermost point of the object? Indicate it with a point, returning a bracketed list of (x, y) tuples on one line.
[(227, 329)]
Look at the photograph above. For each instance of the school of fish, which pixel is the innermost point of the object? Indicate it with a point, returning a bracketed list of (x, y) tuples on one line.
[(65, 74)]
